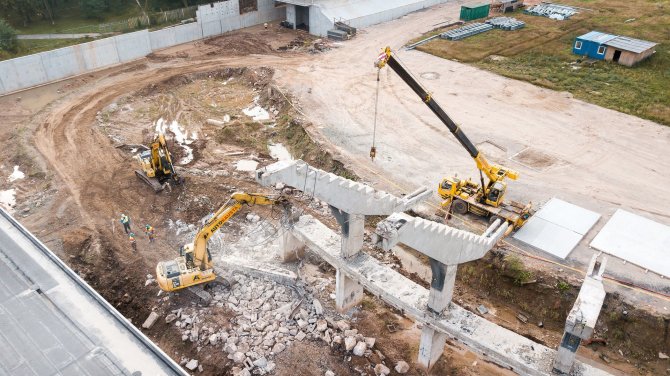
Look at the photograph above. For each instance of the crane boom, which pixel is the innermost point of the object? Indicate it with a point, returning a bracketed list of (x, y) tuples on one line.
[(493, 172)]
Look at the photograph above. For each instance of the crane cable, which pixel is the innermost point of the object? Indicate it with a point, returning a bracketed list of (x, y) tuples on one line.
[(373, 149)]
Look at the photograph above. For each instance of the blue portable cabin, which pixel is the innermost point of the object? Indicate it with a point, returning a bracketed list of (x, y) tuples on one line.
[(592, 44)]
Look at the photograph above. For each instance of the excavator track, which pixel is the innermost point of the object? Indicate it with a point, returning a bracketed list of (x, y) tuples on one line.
[(153, 182)]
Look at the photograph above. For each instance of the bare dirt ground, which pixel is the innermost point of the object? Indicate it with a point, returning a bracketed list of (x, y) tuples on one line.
[(71, 139)]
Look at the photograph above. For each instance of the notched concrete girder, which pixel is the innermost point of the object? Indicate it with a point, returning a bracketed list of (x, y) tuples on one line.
[(443, 243), (344, 194)]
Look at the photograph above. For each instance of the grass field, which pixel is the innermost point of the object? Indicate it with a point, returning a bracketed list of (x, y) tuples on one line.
[(541, 53), (33, 46)]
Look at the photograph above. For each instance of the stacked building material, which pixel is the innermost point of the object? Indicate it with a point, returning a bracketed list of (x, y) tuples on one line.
[(506, 23), (466, 31), (553, 11)]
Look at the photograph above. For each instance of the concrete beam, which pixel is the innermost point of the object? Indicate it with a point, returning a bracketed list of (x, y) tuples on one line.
[(443, 243), (497, 344), (256, 269), (346, 195), (583, 316), (348, 292)]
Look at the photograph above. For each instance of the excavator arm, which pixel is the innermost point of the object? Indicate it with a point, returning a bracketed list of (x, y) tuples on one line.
[(201, 255), (493, 172), (194, 265)]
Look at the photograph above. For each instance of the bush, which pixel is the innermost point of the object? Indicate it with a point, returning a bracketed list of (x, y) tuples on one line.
[(8, 40), (93, 8)]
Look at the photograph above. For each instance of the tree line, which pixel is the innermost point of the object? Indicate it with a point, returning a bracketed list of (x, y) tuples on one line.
[(21, 13)]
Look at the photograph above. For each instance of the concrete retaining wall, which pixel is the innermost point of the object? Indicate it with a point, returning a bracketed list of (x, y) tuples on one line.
[(133, 45), (27, 71)]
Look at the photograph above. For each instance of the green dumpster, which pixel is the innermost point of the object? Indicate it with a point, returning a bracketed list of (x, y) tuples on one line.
[(473, 12)]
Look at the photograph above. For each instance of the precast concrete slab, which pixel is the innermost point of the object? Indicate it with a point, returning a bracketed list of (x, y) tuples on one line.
[(557, 227), (497, 344), (346, 195), (256, 269), (443, 243), (636, 239)]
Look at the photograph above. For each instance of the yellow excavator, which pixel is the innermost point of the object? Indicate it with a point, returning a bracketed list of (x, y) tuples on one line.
[(194, 265), (462, 196), (156, 164)]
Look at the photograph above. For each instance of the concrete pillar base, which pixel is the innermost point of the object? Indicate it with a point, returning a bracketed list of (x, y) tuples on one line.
[(290, 248), (441, 286), (564, 361), (431, 347), (348, 292)]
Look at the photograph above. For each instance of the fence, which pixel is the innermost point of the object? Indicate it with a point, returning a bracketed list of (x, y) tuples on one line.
[(27, 71)]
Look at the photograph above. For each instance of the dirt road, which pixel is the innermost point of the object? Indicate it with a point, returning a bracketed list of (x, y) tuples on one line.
[(590, 156)]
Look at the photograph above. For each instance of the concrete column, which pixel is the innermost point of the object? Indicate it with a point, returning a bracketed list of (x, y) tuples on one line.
[(441, 286), (431, 346), (353, 229), (290, 248), (348, 292), (290, 14), (565, 356), (583, 316)]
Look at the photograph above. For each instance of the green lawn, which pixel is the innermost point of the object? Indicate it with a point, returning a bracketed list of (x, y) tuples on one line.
[(541, 53), (33, 46)]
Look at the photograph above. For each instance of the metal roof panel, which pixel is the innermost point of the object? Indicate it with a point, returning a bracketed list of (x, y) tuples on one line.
[(597, 36), (630, 44)]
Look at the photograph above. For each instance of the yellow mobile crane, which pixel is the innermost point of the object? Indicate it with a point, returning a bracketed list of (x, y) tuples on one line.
[(156, 164), (462, 196), (194, 264)]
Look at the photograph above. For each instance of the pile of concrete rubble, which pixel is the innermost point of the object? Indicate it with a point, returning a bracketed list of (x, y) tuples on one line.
[(268, 318)]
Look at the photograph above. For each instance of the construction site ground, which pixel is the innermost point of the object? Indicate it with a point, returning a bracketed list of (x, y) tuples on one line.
[(75, 139)]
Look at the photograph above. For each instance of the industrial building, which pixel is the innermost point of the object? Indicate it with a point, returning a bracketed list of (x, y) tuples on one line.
[(623, 50), (319, 16)]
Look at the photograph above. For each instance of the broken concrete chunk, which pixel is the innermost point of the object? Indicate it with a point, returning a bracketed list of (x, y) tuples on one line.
[(318, 308), (381, 370), (402, 367), (230, 348), (662, 356), (192, 364), (170, 318), (300, 336), (321, 325), (359, 349), (214, 339), (329, 373), (351, 333), (349, 343), (151, 320), (239, 357), (370, 342), (343, 325), (261, 362), (278, 347), (482, 309)]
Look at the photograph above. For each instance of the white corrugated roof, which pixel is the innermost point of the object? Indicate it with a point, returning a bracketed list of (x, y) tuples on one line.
[(630, 44), (597, 36)]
